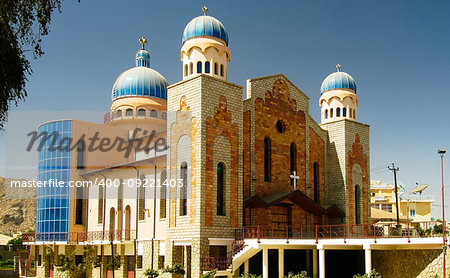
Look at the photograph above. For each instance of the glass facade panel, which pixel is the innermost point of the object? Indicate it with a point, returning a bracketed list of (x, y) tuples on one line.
[(52, 217)]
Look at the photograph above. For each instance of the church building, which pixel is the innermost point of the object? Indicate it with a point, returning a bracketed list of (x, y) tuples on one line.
[(231, 167)]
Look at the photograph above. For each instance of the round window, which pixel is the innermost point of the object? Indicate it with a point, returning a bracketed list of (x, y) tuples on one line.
[(280, 127)]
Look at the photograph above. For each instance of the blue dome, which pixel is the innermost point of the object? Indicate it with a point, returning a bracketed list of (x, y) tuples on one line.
[(141, 80), (205, 25), (338, 80)]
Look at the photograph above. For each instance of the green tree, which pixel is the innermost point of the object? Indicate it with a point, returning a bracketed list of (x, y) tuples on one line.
[(151, 273), (16, 243), (302, 274), (175, 269), (372, 274), (209, 274), (23, 23), (249, 275)]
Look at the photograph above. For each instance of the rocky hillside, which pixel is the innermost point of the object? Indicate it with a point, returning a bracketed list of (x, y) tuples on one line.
[(16, 215)]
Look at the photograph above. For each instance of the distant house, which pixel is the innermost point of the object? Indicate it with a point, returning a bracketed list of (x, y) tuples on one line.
[(384, 209)]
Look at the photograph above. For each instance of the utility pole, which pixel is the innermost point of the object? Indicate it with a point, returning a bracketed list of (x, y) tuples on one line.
[(395, 170), (442, 152)]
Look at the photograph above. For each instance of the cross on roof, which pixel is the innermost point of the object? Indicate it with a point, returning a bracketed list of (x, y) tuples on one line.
[(338, 66), (143, 41), (295, 178), (205, 9)]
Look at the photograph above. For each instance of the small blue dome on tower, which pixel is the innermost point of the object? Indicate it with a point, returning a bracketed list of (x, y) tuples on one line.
[(205, 25), (338, 80), (141, 80)]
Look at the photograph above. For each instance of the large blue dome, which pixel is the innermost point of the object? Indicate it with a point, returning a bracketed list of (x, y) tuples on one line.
[(338, 80), (141, 80), (205, 25)]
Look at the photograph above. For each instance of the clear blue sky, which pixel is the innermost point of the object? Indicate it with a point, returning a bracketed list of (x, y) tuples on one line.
[(397, 51)]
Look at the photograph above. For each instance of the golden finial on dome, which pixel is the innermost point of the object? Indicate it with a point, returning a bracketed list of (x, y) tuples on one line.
[(143, 41), (338, 67), (205, 9)]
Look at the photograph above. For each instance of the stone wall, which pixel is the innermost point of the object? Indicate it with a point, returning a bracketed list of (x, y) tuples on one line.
[(404, 263)]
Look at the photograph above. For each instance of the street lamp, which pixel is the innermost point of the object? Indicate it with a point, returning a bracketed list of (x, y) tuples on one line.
[(442, 152)]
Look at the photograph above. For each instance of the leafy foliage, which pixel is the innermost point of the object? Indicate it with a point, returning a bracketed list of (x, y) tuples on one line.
[(249, 275), (151, 273), (175, 269), (302, 274), (16, 243), (209, 274), (372, 274), (114, 263), (23, 23)]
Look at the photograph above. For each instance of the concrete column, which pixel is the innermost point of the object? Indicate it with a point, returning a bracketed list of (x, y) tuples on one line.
[(265, 265), (308, 261), (281, 263), (368, 259), (246, 266), (315, 266), (321, 263)]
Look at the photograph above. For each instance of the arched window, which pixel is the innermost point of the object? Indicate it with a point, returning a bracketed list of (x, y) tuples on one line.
[(100, 204), (351, 113), (141, 112), (293, 160), (141, 200), (183, 189), (357, 204), (344, 112), (199, 67), (354, 113), (162, 194), (112, 221), (154, 114), (191, 68), (267, 159), (220, 189), (119, 113), (331, 113), (326, 113), (338, 112), (207, 67), (215, 69), (129, 112), (81, 155), (185, 70), (221, 70), (316, 183), (127, 222)]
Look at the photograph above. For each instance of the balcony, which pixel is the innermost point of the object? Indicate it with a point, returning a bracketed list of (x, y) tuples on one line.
[(112, 116), (117, 235), (380, 198)]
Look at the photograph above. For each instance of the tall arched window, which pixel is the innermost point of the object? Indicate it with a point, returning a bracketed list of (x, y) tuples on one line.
[(141, 112), (81, 155), (351, 113), (79, 206), (100, 204), (185, 70), (293, 160), (354, 113), (127, 222), (344, 112), (141, 200), (129, 112), (191, 68), (199, 67), (220, 189), (326, 113), (316, 183), (215, 69), (183, 189), (357, 204), (112, 223), (119, 113), (331, 113), (207, 67), (267, 159), (221, 70), (162, 194), (338, 112)]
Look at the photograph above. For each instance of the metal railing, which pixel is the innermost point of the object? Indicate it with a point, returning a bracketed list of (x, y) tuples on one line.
[(116, 235), (219, 263)]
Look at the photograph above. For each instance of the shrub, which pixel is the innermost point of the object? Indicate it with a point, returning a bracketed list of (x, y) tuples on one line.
[(250, 275), (302, 274), (175, 269), (151, 273), (209, 274), (372, 274)]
